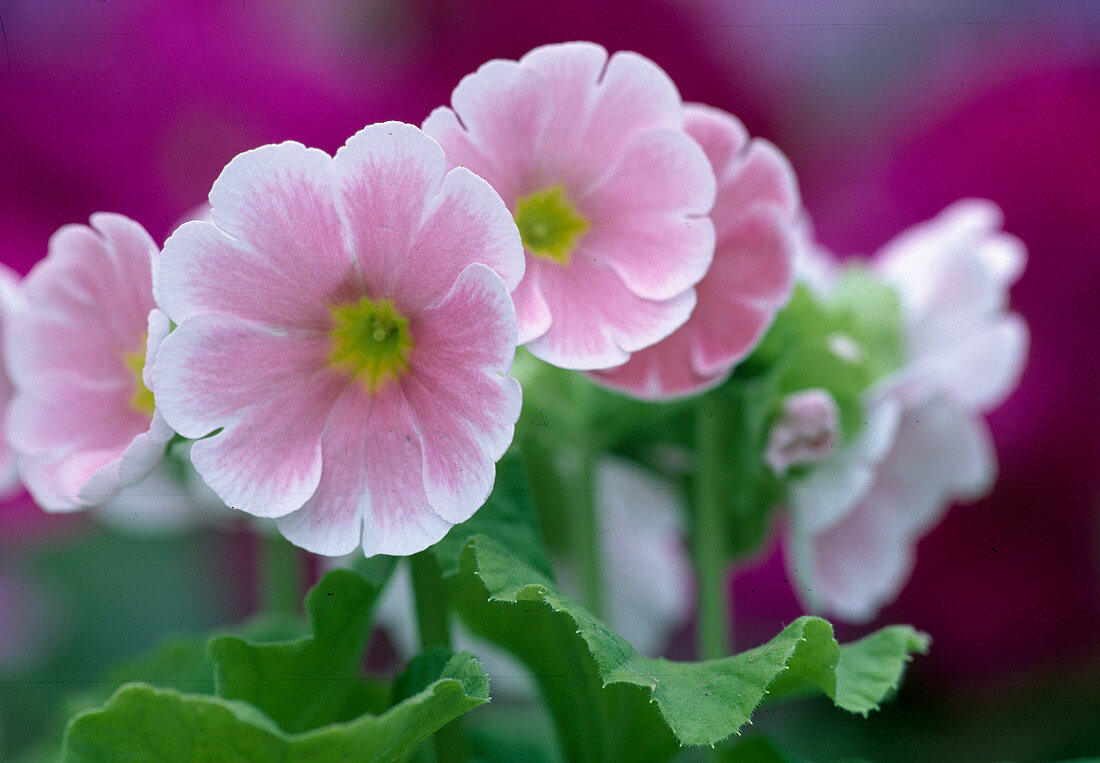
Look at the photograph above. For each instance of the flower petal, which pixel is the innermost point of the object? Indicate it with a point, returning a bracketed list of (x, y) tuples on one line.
[(532, 313), (978, 368), (142, 454), (371, 491), (648, 217), (762, 174), (385, 177), (466, 223), (664, 372), (645, 564), (132, 252), (505, 107), (754, 259), (721, 135), (412, 228), (940, 454), (55, 483), (598, 322), (748, 280), (269, 394), (459, 393), (634, 94), (572, 71), (957, 266), (277, 251), (833, 488), (598, 105), (461, 148), (41, 420), (65, 318)]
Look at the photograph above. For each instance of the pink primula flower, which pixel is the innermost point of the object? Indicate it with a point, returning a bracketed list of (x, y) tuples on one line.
[(344, 334), (858, 515), (609, 192), (82, 418), (756, 216)]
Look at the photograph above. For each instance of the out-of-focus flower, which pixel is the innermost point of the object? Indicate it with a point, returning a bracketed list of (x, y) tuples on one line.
[(755, 221), (857, 516), (646, 569), (82, 418), (805, 432), (610, 195), (170, 499), (953, 275), (9, 475), (345, 323), (646, 573)]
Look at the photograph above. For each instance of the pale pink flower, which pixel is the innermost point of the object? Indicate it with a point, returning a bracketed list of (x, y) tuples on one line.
[(806, 431), (344, 335), (82, 418), (756, 217), (9, 475), (857, 516), (610, 194), (953, 274)]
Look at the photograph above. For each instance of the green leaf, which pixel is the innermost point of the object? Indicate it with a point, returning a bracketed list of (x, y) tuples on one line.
[(420, 672), (306, 682), (178, 663), (142, 722), (701, 702), (866, 670)]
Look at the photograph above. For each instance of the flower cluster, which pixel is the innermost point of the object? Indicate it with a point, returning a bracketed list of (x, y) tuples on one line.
[(330, 341), (335, 334)]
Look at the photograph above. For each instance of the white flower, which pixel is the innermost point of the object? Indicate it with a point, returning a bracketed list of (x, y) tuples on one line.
[(857, 516)]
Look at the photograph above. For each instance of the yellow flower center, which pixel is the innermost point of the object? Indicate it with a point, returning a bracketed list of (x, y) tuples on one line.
[(549, 224), (369, 341), (141, 400)]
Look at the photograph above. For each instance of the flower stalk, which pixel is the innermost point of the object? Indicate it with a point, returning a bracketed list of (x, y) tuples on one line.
[(583, 524), (430, 601), (709, 534), (281, 576)]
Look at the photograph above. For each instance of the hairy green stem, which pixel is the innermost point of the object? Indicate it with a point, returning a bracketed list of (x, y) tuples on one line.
[(281, 576), (709, 535), (430, 597), (584, 527)]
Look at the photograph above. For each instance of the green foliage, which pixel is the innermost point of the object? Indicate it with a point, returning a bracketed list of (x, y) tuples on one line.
[(307, 682), (701, 702), (608, 701), (142, 722), (276, 698), (278, 695), (420, 672), (865, 671)]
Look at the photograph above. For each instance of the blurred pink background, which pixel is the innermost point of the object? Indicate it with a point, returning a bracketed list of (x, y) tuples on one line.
[(889, 111)]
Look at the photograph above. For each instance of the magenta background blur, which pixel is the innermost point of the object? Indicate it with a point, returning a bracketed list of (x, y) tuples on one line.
[(888, 111)]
